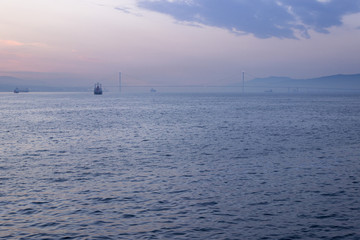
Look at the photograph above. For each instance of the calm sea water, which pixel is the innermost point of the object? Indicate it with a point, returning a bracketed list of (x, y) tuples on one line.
[(179, 166)]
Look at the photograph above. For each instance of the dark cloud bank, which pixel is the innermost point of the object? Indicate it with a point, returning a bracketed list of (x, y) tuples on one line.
[(262, 18)]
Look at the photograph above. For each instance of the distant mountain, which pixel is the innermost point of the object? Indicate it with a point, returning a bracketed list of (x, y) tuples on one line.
[(340, 82), (10, 80), (8, 84)]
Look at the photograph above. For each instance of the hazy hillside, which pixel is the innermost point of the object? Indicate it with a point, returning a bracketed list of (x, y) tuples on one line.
[(8, 84), (340, 82)]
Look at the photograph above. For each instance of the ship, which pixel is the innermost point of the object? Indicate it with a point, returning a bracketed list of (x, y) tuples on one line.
[(98, 89), (19, 90)]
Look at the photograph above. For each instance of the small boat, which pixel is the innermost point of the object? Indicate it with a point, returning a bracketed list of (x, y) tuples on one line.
[(98, 89), (153, 90), (16, 90)]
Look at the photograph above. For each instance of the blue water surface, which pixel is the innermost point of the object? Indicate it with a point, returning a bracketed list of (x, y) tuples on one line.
[(179, 166)]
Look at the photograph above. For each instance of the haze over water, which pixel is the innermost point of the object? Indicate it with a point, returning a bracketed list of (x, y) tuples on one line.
[(179, 166)]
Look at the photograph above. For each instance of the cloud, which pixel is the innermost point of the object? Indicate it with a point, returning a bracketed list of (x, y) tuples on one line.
[(262, 18), (11, 43), (128, 10)]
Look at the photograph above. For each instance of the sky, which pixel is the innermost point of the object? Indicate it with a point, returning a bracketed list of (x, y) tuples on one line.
[(177, 42)]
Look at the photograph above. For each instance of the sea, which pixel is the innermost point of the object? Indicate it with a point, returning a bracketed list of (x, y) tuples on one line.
[(179, 166)]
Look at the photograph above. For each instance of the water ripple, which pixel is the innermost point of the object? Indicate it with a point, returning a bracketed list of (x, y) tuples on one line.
[(181, 166)]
